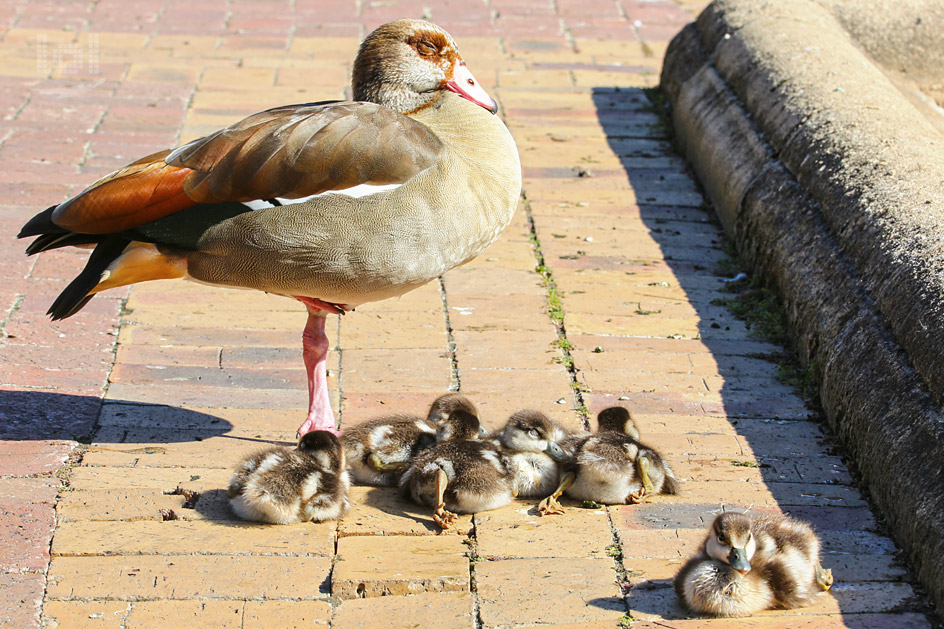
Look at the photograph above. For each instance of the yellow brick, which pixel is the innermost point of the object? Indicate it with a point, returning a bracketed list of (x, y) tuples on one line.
[(238, 78), (149, 577), (82, 614), (377, 565), (271, 614), (179, 537), (381, 511), (190, 614)]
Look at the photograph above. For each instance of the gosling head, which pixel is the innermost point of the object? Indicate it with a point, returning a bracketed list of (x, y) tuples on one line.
[(324, 447), (446, 404), (460, 425), (731, 541), (531, 431), (617, 419)]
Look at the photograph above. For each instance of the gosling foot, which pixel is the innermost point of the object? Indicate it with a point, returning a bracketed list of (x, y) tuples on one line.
[(550, 506), (445, 519), (637, 497)]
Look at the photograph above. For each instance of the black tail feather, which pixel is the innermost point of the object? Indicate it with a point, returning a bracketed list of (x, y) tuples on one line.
[(55, 241), (76, 294), (41, 224)]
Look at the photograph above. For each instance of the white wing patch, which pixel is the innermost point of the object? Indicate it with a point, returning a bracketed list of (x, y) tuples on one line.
[(269, 462), (356, 192), (310, 485), (379, 436)]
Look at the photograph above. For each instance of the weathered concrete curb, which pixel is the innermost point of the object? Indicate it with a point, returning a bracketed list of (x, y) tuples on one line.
[(832, 184)]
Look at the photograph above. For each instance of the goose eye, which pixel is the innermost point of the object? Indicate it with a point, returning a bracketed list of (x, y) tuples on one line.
[(533, 433), (426, 49)]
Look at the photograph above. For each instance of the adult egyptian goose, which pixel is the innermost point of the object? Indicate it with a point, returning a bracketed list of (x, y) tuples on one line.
[(270, 202)]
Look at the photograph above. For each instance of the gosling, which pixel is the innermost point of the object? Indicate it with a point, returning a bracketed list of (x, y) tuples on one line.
[(380, 450), (462, 474), (612, 466), (284, 486), (749, 564)]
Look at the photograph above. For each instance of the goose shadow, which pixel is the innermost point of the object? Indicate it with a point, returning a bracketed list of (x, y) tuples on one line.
[(47, 416)]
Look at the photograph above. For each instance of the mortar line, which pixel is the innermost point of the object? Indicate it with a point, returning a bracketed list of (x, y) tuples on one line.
[(556, 314), (473, 580), (455, 383), (340, 352), (622, 580)]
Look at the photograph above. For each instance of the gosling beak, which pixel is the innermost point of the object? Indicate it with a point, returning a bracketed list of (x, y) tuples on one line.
[(555, 451), (483, 434), (738, 560)]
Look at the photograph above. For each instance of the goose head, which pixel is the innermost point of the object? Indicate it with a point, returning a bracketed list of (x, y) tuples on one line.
[(405, 65), (731, 541)]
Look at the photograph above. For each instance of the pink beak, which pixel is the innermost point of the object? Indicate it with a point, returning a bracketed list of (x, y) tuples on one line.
[(465, 85)]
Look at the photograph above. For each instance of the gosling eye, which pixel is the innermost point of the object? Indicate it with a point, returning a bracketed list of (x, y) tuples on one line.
[(533, 433), (722, 540), (426, 49)]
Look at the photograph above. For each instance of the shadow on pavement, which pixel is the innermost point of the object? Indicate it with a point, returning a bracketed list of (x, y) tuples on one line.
[(800, 465), (43, 415)]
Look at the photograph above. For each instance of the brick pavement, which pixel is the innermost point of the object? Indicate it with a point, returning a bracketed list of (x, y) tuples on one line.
[(170, 383)]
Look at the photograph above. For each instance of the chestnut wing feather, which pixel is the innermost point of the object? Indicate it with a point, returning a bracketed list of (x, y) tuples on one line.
[(289, 152), (300, 150)]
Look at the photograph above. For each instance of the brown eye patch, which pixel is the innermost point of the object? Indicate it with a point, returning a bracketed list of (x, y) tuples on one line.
[(428, 43), (426, 49)]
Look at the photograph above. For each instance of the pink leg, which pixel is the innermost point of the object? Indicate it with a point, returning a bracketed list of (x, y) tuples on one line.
[(314, 351)]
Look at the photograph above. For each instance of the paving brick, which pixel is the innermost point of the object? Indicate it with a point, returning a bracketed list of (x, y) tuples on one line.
[(517, 530), (548, 384), (483, 313), (517, 349), (202, 396), (394, 330), (446, 610), (150, 577), (21, 596), (171, 419), (24, 458), (25, 531), (516, 591), (64, 614), (199, 614), (139, 447), (264, 614), (140, 504), (181, 537), (196, 478), (369, 566), (381, 511)]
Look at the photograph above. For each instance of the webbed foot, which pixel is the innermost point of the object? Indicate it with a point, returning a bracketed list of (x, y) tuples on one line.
[(443, 518), (824, 578), (380, 465), (550, 506)]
